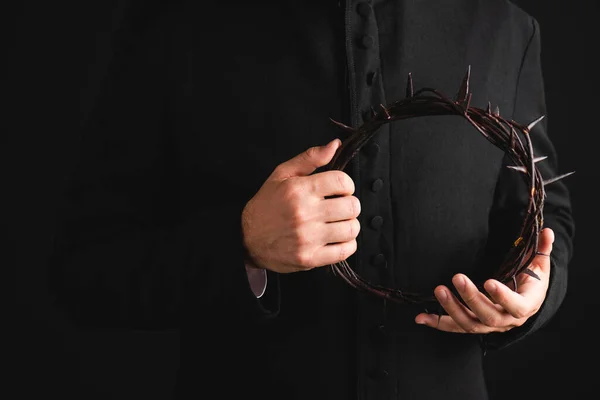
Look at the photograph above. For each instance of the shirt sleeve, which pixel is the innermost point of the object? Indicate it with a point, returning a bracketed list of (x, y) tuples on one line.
[(529, 106), (257, 277)]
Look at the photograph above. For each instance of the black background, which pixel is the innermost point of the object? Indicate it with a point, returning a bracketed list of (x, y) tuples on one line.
[(52, 52)]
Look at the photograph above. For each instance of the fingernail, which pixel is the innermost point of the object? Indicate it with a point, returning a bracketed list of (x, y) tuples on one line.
[(460, 283), (492, 286)]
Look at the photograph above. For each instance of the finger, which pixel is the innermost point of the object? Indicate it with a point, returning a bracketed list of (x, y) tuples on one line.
[(456, 310), (333, 253), (443, 323), (340, 208), (544, 249), (340, 231), (307, 162), (480, 305), (329, 183), (516, 304)]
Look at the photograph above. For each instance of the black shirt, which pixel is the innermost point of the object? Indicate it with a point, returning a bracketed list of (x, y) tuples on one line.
[(201, 101)]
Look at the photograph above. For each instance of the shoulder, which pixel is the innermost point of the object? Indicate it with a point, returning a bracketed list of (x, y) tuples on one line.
[(511, 14), (511, 21)]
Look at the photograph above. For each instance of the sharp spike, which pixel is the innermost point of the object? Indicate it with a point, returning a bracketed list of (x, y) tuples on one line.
[(497, 111), (385, 110), (410, 91), (517, 168), (463, 92), (373, 112), (489, 108), (557, 178), (343, 126), (538, 159), (534, 123), (468, 101), (531, 273)]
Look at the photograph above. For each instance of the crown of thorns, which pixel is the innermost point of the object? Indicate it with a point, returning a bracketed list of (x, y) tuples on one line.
[(499, 131)]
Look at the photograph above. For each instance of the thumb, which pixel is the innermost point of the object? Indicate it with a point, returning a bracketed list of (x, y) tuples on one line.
[(545, 245), (546, 240), (308, 161)]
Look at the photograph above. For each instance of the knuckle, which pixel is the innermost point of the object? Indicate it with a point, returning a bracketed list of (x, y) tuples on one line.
[(470, 298), (355, 206), (346, 250), (353, 246), (491, 320), (517, 323), (292, 189), (301, 239), (520, 313), (279, 169), (310, 153), (354, 228), (343, 254), (474, 329), (297, 216), (302, 258), (313, 185), (345, 183), (500, 298)]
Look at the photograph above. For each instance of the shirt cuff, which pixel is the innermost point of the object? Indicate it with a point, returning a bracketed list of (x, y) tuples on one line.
[(257, 277)]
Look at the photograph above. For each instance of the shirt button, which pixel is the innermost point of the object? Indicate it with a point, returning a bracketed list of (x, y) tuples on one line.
[(372, 149), (376, 222), (363, 9), (377, 185), (367, 42), (379, 260)]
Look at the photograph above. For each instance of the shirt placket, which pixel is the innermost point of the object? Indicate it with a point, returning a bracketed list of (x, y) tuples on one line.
[(376, 375)]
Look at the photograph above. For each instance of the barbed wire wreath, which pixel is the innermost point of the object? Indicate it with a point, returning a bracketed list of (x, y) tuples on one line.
[(499, 131)]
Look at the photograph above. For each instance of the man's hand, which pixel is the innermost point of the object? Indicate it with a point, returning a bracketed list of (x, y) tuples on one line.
[(291, 224), (504, 309)]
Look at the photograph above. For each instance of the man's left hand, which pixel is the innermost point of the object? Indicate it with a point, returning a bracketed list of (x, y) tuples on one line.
[(503, 308)]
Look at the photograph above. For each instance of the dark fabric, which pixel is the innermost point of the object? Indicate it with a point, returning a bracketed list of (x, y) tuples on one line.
[(199, 102)]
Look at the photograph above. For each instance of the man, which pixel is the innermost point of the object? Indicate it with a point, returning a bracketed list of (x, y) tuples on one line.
[(199, 200)]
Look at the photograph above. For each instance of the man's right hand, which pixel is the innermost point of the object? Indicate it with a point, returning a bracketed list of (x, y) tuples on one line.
[(298, 221)]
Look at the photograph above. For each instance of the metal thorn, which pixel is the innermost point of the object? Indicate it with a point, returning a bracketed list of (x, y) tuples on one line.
[(343, 126), (517, 168), (532, 274), (385, 110), (497, 111), (489, 108), (557, 178), (409, 86), (534, 123), (468, 102), (373, 112), (463, 91), (538, 159)]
